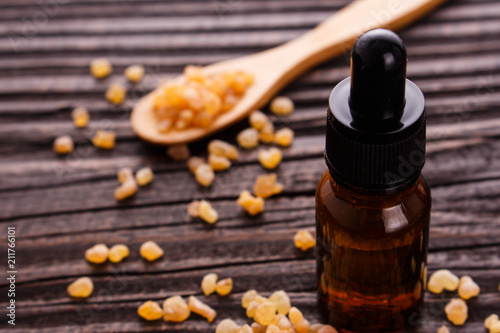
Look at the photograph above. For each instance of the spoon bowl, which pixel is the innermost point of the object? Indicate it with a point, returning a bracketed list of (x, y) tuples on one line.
[(274, 68)]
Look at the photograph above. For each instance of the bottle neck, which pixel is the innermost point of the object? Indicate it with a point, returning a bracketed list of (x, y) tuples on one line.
[(355, 193)]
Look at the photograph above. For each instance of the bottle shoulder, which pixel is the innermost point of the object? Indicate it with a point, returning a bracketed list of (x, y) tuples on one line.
[(372, 216), (329, 190)]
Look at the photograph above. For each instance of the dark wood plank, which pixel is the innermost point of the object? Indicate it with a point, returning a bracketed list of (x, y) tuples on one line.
[(175, 9), (223, 40), (258, 21)]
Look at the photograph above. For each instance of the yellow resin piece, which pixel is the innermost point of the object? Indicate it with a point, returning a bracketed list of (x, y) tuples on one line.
[(295, 315), (304, 240), (118, 252), (116, 93), (251, 308), (63, 144), (81, 117), (272, 328), (320, 328), (327, 329), (282, 106), (488, 322), (144, 176), (284, 137), (97, 254), (468, 288), (104, 139), (224, 287), (247, 297), (456, 311), (186, 118), (271, 158), (175, 309), (209, 283), (260, 299), (206, 96), (194, 162), (443, 329), (150, 311), (226, 326), (495, 327), (302, 326), (164, 126), (222, 148), (265, 313), (100, 68), (197, 306), (316, 327), (193, 208), (204, 175), (203, 119), (248, 138), (127, 189), (151, 251), (81, 288), (207, 213), (283, 323), (219, 163), (443, 279), (258, 120), (266, 185), (124, 174), (258, 328), (266, 134), (244, 329), (178, 152), (134, 73), (252, 205), (282, 301)]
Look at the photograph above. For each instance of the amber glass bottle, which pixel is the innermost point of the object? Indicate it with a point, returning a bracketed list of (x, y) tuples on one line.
[(373, 205)]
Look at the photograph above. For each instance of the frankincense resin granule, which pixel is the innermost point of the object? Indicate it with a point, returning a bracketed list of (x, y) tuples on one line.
[(81, 288), (100, 68), (197, 306), (81, 117), (150, 311), (175, 309), (97, 254), (63, 144), (151, 251)]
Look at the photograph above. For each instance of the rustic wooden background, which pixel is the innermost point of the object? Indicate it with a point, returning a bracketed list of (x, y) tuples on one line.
[(62, 205)]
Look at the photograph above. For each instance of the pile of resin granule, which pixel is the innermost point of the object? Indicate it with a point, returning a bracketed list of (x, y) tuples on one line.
[(198, 99), (456, 309), (272, 314)]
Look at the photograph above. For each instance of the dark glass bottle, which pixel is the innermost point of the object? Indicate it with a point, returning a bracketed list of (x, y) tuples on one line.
[(373, 205)]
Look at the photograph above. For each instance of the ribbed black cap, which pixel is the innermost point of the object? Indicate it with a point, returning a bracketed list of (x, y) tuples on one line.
[(375, 136)]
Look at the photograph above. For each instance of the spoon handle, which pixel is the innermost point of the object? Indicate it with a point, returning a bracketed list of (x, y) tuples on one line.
[(338, 33)]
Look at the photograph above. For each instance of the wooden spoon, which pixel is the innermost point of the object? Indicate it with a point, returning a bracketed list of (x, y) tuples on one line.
[(276, 67)]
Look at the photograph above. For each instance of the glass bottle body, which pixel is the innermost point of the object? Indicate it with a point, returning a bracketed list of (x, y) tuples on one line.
[(371, 255)]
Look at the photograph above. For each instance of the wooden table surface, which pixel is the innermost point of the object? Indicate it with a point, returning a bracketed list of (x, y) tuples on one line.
[(61, 206)]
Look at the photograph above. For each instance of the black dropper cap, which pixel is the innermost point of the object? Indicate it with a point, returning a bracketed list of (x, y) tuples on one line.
[(376, 118)]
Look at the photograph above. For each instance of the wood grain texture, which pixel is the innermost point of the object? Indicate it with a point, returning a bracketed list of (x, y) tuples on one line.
[(62, 205)]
